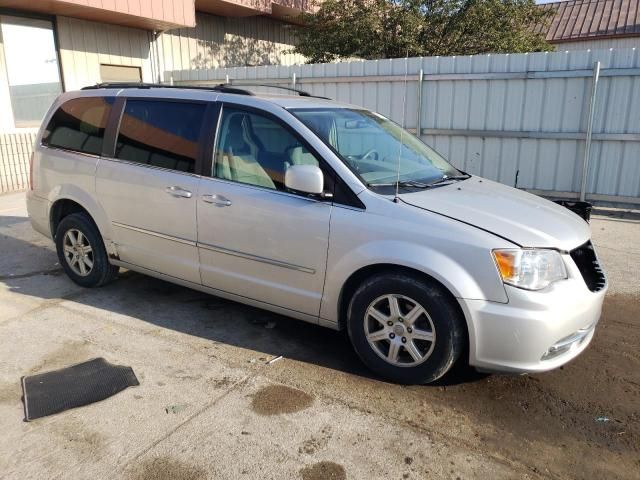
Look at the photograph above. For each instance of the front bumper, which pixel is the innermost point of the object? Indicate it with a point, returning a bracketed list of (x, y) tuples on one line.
[(534, 331)]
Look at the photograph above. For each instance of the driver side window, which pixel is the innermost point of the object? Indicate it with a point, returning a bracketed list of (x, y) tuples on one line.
[(256, 150)]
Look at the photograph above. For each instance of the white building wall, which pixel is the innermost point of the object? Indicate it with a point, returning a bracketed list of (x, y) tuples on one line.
[(602, 44)]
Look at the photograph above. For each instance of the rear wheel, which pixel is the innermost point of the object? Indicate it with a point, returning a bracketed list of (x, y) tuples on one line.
[(406, 329), (81, 251)]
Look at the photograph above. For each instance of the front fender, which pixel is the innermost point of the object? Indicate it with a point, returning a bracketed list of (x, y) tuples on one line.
[(443, 268)]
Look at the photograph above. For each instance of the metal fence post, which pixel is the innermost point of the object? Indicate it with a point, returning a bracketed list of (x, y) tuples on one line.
[(587, 147), (419, 106), (293, 80)]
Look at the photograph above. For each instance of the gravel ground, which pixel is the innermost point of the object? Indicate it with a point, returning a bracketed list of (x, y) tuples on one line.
[(210, 405)]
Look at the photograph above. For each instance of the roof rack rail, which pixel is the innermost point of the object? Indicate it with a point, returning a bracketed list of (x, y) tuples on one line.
[(302, 93), (222, 88)]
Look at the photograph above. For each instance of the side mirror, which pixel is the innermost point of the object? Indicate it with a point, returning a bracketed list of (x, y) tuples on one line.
[(304, 178)]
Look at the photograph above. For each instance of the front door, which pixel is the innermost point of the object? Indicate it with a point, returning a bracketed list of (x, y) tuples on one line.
[(255, 238), (149, 189)]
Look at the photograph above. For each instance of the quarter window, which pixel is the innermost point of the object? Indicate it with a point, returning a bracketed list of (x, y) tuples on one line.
[(256, 150), (160, 133), (79, 125)]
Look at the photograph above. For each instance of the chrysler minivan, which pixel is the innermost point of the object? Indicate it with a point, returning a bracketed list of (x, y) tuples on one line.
[(317, 210)]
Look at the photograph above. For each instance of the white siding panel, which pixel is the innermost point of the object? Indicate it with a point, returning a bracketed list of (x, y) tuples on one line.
[(85, 45), (226, 42), (604, 44)]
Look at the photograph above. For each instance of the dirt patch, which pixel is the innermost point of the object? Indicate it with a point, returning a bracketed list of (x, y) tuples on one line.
[(162, 468), (76, 437), (10, 392), (223, 382), (316, 442), (278, 399), (66, 355), (323, 471)]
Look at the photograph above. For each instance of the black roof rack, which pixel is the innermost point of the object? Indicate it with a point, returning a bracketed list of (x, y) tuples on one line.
[(222, 87), (302, 93)]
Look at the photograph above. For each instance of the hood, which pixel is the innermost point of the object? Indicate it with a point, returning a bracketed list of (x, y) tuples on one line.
[(523, 218)]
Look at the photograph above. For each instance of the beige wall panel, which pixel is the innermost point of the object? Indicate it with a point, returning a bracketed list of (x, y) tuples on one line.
[(85, 45), (226, 42)]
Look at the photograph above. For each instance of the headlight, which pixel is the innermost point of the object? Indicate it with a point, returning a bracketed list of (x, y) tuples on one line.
[(530, 269)]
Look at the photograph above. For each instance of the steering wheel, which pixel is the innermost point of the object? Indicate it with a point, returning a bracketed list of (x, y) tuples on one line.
[(369, 153)]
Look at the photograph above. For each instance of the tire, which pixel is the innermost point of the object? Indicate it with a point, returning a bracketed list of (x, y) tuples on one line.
[(440, 319), (80, 226)]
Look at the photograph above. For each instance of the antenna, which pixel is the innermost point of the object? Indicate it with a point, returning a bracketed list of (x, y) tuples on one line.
[(404, 116)]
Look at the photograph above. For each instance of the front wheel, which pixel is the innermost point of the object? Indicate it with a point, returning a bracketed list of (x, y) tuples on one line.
[(406, 329)]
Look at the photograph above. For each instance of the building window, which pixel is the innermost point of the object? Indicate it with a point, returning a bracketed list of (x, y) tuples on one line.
[(120, 73), (32, 67)]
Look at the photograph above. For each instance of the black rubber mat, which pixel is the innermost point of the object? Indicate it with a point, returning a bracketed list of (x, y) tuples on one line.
[(53, 392)]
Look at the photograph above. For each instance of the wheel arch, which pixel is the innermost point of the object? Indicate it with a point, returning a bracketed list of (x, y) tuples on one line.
[(68, 199), (359, 276), (63, 208)]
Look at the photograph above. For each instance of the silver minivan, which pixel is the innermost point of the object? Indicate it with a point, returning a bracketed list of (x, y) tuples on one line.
[(317, 210)]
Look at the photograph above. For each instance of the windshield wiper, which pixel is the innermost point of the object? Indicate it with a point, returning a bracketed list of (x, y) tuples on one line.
[(446, 178), (402, 183), (415, 184)]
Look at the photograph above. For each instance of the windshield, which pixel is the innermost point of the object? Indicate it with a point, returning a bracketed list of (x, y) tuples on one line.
[(376, 148)]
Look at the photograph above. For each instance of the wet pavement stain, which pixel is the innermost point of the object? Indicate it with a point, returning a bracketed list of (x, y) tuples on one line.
[(323, 471), (162, 468), (278, 399), (69, 353)]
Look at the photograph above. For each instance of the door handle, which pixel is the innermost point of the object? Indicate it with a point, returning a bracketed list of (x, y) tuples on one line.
[(178, 192), (218, 200)]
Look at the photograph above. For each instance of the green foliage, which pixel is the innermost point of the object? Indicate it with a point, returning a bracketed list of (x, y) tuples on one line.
[(373, 29)]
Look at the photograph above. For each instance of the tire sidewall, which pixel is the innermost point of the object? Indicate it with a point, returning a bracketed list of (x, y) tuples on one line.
[(445, 316), (101, 265)]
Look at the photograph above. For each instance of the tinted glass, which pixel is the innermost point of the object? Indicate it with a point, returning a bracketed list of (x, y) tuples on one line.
[(79, 125), (160, 133), (257, 150)]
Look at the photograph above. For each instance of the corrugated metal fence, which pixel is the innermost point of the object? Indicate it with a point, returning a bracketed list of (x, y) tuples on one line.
[(15, 150), (498, 116)]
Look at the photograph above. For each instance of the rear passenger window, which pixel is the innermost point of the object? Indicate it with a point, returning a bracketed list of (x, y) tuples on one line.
[(160, 133), (79, 125)]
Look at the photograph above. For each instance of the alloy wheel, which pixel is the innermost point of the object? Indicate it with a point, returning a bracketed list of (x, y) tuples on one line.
[(78, 252), (399, 330)]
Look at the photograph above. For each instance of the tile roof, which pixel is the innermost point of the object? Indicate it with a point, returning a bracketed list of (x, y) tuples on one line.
[(587, 19)]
